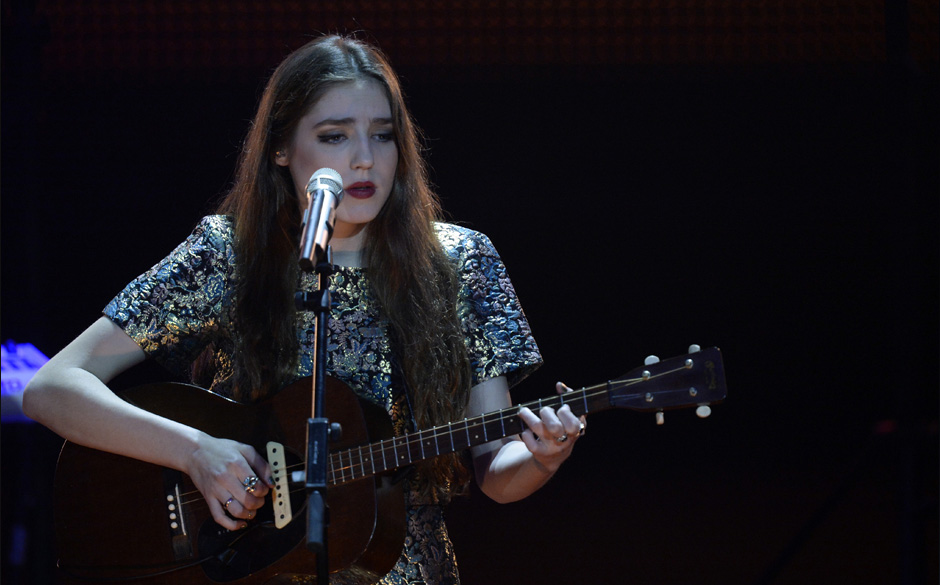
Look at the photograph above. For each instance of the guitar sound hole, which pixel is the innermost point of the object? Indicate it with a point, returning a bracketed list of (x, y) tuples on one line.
[(232, 555)]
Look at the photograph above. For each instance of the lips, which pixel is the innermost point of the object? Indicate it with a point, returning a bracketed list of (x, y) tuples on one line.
[(361, 190)]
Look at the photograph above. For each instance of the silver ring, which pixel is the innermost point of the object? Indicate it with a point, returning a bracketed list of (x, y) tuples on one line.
[(228, 503), (581, 430), (562, 438), (250, 483)]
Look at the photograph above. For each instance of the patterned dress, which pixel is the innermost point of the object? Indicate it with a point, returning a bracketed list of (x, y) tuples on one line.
[(185, 302)]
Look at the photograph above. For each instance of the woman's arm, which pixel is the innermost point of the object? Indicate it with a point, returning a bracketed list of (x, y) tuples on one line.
[(511, 469), (70, 396)]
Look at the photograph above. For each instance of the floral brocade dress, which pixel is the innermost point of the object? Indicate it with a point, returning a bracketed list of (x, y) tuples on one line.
[(184, 303)]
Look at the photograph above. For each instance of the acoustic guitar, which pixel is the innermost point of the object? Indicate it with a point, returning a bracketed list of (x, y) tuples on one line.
[(120, 520)]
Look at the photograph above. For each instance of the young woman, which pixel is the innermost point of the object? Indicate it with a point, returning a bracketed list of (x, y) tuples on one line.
[(424, 322)]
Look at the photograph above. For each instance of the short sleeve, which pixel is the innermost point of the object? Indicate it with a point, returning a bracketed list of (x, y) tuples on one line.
[(174, 310), (499, 340)]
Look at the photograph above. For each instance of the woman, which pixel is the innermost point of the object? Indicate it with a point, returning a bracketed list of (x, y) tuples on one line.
[(424, 321)]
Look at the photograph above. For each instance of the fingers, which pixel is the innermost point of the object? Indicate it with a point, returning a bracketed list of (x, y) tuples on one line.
[(236, 506), (571, 427), (229, 475), (262, 470), (218, 510), (550, 426)]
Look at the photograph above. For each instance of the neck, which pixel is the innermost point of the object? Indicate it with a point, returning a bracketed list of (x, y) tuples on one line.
[(351, 259), (347, 247), (349, 238)]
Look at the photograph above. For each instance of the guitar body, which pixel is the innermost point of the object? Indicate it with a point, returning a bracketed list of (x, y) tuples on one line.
[(119, 519), (122, 521)]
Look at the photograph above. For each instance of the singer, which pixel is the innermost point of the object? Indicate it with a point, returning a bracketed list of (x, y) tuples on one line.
[(425, 322)]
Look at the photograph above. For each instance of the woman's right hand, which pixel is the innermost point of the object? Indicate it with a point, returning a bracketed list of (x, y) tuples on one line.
[(69, 395), (222, 470)]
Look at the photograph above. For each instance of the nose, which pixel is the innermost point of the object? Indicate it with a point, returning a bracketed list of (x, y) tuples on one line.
[(362, 156)]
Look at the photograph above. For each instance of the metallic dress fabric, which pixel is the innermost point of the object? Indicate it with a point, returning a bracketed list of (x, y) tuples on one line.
[(185, 303)]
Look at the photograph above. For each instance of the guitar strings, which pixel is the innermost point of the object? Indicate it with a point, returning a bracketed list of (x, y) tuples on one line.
[(411, 440), (338, 472)]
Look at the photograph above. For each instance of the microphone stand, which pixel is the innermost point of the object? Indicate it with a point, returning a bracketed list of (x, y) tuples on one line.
[(319, 430)]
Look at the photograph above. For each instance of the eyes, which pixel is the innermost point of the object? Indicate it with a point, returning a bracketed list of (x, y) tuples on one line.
[(338, 137)]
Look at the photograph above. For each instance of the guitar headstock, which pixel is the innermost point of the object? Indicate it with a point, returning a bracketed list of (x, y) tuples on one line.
[(696, 379)]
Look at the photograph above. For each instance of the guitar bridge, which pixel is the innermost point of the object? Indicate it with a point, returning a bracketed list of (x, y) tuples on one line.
[(176, 519)]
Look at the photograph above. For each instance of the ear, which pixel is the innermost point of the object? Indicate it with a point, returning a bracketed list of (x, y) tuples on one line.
[(281, 158)]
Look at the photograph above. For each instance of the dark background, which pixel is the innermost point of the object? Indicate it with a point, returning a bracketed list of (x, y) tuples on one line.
[(759, 176)]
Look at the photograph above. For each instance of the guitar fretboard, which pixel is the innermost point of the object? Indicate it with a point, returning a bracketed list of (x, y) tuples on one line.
[(367, 460), (674, 383)]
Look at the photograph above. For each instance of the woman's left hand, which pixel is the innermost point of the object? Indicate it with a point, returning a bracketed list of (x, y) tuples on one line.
[(551, 434)]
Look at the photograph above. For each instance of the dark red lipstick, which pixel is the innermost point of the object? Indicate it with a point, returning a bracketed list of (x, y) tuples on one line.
[(361, 190)]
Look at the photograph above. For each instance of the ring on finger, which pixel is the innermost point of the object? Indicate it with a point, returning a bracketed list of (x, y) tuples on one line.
[(250, 483), (562, 438), (228, 503), (581, 430), (250, 514)]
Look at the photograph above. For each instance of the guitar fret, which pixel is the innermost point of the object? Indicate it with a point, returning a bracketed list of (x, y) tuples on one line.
[(341, 468), (421, 444), (395, 450), (467, 429), (384, 462), (483, 420), (407, 450)]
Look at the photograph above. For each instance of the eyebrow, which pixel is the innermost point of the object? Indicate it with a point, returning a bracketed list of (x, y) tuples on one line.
[(349, 122)]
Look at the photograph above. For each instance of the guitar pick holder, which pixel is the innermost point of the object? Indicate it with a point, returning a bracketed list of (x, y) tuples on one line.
[(319, 429)]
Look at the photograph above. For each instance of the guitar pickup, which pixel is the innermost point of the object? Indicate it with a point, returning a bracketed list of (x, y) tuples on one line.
[(280, 495)]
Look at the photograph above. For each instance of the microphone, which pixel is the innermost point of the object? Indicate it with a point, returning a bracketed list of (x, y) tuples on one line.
[(324, 193)]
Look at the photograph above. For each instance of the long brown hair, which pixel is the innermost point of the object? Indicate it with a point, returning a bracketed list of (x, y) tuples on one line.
[(413, 280)]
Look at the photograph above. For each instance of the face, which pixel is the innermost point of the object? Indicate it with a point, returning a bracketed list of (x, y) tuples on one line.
[(350, 131)]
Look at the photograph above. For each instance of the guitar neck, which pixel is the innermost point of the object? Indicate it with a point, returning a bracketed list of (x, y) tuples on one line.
[(368, 460), (679, 382)]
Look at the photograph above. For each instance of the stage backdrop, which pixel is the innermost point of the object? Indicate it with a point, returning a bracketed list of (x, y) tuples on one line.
[(759, 177)]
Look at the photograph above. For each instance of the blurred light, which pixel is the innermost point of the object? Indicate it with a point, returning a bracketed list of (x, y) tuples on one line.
[(20, 362)]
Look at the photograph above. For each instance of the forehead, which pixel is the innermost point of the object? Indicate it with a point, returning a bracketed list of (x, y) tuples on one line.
[(359, 99)]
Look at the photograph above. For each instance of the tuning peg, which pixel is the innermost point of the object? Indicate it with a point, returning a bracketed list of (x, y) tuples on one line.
[(650, 360), (703, 411), (660, 418), (694, 348)]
